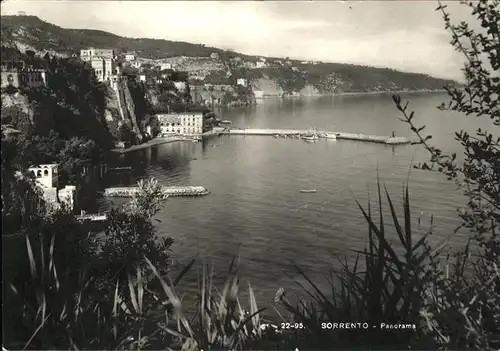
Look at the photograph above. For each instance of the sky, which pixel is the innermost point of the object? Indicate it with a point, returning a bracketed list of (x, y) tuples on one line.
[(404, 35)]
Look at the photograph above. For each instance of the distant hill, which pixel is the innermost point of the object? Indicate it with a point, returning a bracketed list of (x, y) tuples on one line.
[(30, 32)]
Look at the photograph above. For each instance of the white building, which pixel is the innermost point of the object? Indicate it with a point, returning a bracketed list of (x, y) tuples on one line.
[(259, 94), (46, 175), (136, 64), (103, 68), (142, 77), (165, 66), (130, 57), (260, 64), (180, 86), (241, 81), (47, 179), (214, 56), (88, 54), (103, 61), (184, 123)]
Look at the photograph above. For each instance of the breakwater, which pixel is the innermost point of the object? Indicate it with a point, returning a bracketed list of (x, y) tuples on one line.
[(340, 135), (166, 190), (95, 217)]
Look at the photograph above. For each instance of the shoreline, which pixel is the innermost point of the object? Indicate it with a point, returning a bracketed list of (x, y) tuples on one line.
[(148, 144), (360, 93)]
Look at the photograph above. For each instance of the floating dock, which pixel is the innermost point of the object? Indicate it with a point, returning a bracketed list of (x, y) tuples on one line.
[(167, 190), (293, 132)]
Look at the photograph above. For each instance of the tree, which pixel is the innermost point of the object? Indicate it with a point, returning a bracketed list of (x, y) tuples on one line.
[(125, 134), (475, 301)]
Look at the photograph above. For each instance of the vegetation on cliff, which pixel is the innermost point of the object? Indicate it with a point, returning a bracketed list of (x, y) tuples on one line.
[(59, 121)]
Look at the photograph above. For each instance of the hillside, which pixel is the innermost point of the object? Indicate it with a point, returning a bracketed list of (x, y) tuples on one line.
[(32, 32), (291, 76)]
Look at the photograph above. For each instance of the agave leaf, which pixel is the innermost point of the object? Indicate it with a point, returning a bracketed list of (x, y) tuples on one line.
[(383, 242), (396, 222), (132, 293), (183, 272)]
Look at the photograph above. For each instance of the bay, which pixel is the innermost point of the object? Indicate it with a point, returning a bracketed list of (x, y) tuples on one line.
[(255, 209)]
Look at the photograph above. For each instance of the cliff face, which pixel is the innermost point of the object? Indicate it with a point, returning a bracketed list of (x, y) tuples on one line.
[(26, 115), (130, 106), (121, 109), (266, 87)]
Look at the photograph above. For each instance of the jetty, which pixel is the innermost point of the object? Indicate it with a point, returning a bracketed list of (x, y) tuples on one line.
[(94, 217), (175, 191), (339, 135)]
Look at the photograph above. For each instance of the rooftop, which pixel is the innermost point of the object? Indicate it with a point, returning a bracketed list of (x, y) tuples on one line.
[(51, 165)]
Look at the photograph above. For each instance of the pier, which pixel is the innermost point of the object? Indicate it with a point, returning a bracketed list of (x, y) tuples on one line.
[(167, 190), (294, 132)]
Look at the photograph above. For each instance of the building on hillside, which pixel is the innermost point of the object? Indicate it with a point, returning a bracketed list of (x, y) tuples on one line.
[(184, 123), (236, 59), (130, 57), (47, 178), (262, 59), (136, 64), (165, 66), (142, 78), (103, 68), (295, 69), (103, 62), (180, 86), (241, 81), (88, 54), (214, 56), (24, 77), (260, 64), (259, 94), (249, 64)]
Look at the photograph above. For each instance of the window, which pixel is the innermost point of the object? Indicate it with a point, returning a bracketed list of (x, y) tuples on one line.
[(46, 173)]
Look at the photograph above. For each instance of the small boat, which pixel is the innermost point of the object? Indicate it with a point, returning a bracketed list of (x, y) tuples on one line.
[(310, 137), (226, 122), (330, 136), (308, 191), (276, 135)]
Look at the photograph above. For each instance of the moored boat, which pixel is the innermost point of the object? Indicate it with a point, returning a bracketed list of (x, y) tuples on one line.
[(310, 137), (307, 191), (330, 136)]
